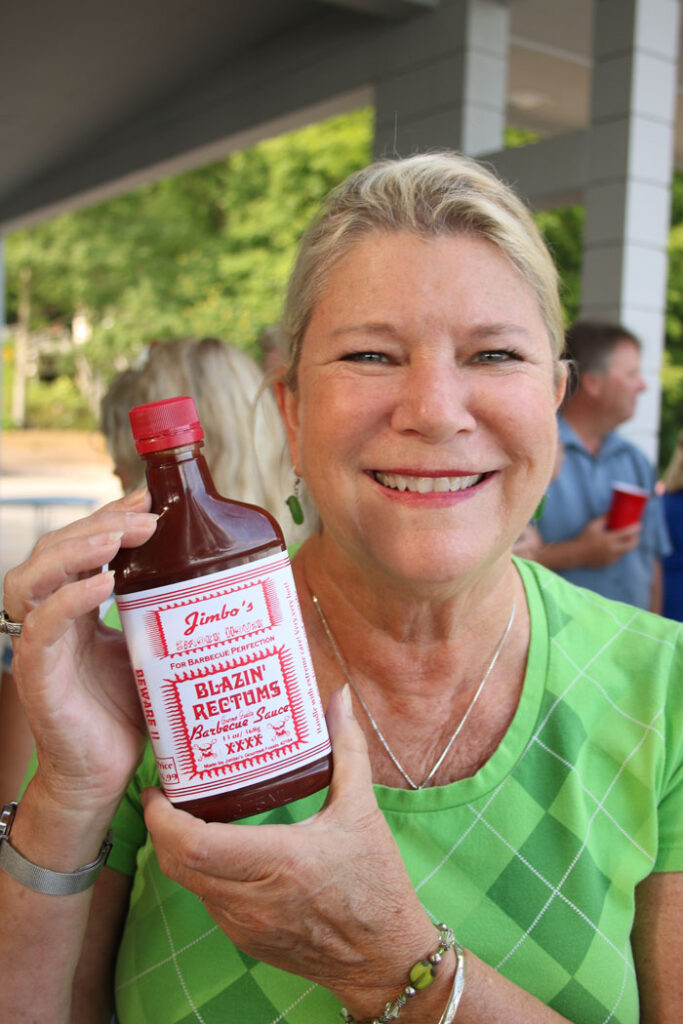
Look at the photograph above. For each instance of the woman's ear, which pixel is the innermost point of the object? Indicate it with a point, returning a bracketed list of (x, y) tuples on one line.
[(561, 380), (288, 404)]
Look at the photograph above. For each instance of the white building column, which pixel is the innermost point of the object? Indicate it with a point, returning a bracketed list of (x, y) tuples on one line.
[(448, 90), (627, 196)]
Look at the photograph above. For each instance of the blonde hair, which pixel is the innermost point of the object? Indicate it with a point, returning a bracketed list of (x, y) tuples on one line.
[(673, 475), (244, 439), (125, 391), (430, 195)]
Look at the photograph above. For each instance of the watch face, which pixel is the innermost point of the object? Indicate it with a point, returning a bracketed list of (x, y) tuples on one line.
[(6, 819)]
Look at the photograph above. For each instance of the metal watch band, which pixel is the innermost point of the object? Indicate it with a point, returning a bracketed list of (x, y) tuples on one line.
[(51, 883), (9, 626)]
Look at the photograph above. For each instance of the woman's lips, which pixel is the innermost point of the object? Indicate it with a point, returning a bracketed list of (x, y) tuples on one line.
[(427, 484)]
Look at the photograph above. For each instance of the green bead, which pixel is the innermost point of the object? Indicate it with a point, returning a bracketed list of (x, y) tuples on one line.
[(295, 509), (421, 975)]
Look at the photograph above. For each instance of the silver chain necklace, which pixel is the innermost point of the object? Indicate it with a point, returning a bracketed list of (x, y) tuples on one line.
[(397, 764)]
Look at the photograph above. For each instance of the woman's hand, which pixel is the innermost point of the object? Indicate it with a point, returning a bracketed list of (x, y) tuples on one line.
[(72, 672), (328, 899)]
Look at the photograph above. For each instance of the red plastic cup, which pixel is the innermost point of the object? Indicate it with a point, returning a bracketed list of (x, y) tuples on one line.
[(628, 505)]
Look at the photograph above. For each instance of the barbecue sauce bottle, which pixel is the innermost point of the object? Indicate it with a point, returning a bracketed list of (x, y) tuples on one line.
[(214, 631)]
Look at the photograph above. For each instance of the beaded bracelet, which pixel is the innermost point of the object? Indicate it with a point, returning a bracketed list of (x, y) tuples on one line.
[(420, 976)]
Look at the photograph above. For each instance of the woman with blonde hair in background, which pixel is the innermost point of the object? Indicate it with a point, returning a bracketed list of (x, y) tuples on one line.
[(245, 444)]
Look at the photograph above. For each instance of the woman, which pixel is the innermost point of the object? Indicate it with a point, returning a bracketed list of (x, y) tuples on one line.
[(673, 510), (527, 784)]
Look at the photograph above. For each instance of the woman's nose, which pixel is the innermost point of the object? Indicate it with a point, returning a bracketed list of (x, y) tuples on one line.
[(434, 402)]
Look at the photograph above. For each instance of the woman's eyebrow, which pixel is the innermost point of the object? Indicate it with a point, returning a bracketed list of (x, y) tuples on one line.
[(487, 330), (385, 329), (369, 327)]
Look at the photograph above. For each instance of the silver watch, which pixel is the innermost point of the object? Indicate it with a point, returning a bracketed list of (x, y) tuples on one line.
[(52, 883)]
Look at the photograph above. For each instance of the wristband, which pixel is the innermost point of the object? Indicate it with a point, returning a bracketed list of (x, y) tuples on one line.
[(51, 883)]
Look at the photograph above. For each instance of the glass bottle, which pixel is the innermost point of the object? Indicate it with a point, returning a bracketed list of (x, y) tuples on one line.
[(214, 630)]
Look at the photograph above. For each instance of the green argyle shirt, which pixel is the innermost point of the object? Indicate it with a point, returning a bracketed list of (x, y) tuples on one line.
[(533, 861)]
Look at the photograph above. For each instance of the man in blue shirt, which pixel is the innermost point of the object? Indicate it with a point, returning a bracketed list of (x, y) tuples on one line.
[(624, 564)]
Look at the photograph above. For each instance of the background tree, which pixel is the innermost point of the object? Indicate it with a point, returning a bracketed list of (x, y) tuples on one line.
[(203, 253)]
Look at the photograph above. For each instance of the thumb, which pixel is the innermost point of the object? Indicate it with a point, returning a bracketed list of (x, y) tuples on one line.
[(352, 774)]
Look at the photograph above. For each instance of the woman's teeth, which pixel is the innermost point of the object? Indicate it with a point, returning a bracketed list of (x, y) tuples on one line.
[(427, 484)]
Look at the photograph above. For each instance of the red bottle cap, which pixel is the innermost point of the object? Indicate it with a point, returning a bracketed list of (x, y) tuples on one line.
[(158, 426)]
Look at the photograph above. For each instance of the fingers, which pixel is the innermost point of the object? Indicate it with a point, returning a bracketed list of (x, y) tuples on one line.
[(603, 547), (64, 555), (114, 516), (111, 516), (194, 845), (624, 540), (48, 621), (195, 853), (199, 855), (629, 534)]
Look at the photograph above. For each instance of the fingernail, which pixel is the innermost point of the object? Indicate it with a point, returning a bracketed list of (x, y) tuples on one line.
[(135, 518), (97, 578), (136, 494), (347, 701)]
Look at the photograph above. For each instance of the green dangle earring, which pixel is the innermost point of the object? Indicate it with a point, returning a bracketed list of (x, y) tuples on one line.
[(540, 507), (294, 505)]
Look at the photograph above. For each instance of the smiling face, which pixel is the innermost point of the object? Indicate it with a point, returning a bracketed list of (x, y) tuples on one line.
[(424, 416)]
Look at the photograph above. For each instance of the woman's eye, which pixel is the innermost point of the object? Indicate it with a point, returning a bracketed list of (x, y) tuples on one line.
[(498, 355), (365, 357)]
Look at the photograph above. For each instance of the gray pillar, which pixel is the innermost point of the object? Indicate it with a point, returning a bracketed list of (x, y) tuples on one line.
[(448, 90), (630, 163), (2, 324)]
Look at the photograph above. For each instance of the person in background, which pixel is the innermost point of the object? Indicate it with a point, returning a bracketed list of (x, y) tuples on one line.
[(245, 444), (125, 391), (673, 511), (622, 564), (504, 825)]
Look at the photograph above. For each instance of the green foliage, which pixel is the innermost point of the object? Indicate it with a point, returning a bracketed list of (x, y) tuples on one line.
[(516, 137), (54, 405), (203, 253), (671, 421), (563, 232)]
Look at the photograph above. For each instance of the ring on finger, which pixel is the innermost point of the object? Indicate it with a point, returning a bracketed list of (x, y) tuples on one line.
[(8, 625)]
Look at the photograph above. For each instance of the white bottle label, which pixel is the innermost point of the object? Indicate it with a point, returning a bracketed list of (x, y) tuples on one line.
[(225, 678)]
